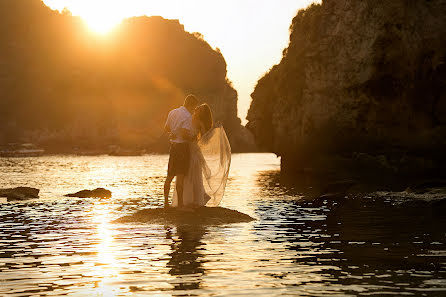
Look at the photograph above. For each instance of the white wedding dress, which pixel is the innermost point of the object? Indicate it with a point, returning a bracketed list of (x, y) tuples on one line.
[(205, 182)]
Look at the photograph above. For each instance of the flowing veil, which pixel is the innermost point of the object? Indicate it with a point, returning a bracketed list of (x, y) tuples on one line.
[(215, 161)]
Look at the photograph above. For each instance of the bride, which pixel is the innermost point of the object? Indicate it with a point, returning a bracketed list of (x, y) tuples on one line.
[(210, 158)]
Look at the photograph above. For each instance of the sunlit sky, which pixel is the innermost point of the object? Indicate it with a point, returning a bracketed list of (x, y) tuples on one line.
[(251, 34)]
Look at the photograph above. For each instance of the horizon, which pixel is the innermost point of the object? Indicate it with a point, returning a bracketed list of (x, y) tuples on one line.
[(251, 48)]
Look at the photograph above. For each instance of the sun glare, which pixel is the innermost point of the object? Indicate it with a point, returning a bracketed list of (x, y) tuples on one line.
[(101, 24), (255, 26), (101, 16)]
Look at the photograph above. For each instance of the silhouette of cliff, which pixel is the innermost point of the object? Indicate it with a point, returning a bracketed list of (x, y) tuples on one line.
[(62, 85), (362, 86)]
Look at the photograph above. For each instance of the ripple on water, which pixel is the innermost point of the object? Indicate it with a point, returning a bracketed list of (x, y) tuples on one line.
[(58, 245)]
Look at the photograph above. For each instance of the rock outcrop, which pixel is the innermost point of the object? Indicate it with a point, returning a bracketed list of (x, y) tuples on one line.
[(62, 86), (199, 216), (19, 193), (361, 85), (96, 193)]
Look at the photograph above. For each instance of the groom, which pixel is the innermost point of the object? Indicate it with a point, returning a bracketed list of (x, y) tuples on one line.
[(179, 122)]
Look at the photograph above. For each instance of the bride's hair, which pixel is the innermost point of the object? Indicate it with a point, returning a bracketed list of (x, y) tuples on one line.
[(204, 115)]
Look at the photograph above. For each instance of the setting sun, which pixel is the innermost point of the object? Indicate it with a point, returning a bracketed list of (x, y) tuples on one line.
[(101, 16), (101, 24)]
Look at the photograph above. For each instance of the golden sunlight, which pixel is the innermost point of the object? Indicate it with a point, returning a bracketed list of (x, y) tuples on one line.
[(251, 34), (102, 24), (101, 16)]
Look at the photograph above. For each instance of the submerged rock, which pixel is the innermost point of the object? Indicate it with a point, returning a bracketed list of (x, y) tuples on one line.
[(96, 193), (199, 216), (19, 193)]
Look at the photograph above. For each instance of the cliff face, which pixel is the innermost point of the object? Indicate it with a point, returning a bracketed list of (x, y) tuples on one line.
[(62, 86), (360, 80)]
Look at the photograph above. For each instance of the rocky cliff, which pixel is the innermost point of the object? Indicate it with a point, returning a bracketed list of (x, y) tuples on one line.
[(362, 83), (62, 85)]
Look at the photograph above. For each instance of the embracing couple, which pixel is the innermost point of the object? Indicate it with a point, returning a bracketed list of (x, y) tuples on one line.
[(200, 156)]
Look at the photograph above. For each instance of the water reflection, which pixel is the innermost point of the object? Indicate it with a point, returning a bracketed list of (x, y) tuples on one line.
[(354, 240), (299, 245), (185, 261), (106, 268)]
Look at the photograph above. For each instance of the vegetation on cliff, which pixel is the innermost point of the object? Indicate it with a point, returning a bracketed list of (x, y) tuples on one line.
[(361, 81), (62, 85)]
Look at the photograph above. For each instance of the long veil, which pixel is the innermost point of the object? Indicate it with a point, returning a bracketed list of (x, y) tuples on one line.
[(216, 160)]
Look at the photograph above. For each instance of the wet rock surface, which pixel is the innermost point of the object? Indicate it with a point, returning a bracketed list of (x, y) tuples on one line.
[(199, 216), (19, 193), (96, 193)]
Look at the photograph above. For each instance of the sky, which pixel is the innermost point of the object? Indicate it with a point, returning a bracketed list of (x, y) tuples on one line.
[(251, 34)]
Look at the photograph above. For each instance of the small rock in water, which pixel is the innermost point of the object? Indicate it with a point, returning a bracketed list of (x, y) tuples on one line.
[(96, 193), (20, 193), (199, 216)]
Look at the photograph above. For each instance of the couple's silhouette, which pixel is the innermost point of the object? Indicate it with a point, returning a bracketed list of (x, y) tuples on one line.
[(199, 158)]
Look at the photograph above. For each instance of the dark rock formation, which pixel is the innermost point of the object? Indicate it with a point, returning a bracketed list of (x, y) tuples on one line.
[(62, 86), (96, 193), (20, 193), (362, 85), (199, 216)]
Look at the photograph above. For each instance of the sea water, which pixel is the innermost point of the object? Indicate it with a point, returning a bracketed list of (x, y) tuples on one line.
[(55, 245)]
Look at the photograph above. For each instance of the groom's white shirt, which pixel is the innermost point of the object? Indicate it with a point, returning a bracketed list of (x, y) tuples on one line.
[(179, 118)]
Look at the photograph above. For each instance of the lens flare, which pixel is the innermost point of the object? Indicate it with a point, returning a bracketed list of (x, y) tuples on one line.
[(101, 24)]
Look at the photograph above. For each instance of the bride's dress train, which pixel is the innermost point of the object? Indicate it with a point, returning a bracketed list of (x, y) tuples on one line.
[(205, 182)]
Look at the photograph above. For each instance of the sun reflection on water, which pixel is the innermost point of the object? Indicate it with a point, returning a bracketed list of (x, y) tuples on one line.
[(106, 267)]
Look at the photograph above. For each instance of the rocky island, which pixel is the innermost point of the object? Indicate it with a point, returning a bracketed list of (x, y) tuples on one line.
[(362, 86)]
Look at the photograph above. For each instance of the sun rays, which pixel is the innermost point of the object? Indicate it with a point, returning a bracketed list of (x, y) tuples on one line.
[(238, 28)]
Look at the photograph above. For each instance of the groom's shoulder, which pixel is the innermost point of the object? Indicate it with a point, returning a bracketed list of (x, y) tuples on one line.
[(174, 111), (179, 113), (182, 111)]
